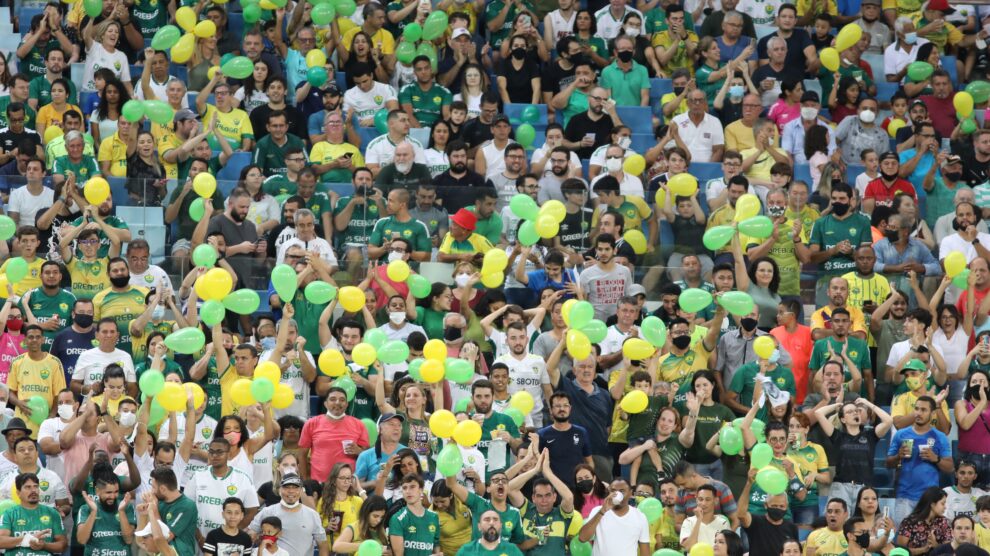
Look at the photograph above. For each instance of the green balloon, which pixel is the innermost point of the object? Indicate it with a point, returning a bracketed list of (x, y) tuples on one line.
[(980, 90), (759, 430), (7, 227), (242, 302), (133, 110), (919, 71), (761, 455), (525, 134), (369, 547), (594, 330), (436, 24), (412, 32), (238, 67), (968, 126), (462, 405), (196, 209), (204, 255), (459, 371), (376, 337), (737, 303), (320, 292), (322, 14), (251, 12), (716, 237), (17, 269), (39, 409), (759, 227), (579, 548), (158, 111), (961, 280), (166, 37), (651, 508), (730, 440), (773, 481), (450, 461), (93, 8), (157, 413), (528, 235), (347, 384), (187, 340), (899, 551), (212, 312), (524, 206), (6, 505), (693, 300), (414, 366), (284, 280), (317, 76), (419, 286), (654, 331), (151, 382), (405, 52), (262, 390), (517, 416), (381, 121), (530, 115), (667, 552), (581, 314), (393, 352), (372, 429), (346, 8)]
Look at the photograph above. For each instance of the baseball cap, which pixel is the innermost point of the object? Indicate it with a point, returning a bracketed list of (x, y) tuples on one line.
[(460, 32), (501, 118), (184, 114), (810, 96), (146, 532), (951, 159), (291, 480), (389, 416), (914, 365), (332, 89), (637, 289), (889, 154), (942, 6)]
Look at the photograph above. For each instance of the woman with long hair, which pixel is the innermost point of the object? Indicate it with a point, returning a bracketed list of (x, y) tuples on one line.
[(844, 99), (821, 199), (103, 120), (205, 55), (711, 73), (589, 492), (813, 462), (12, 339), (973, 417), (667, 444), (252, 94), (586, 33), (146, 184), (727, 543), (951, 337), (100, 41), (416, 433), (264, 211), (474, 83), (703, 420), (761, 280), (906, 207), (404, 462), (370, 525), (243, 446), (926, 522), (524, 27), (436, 155), (339, 502), (51, 113), (6, 78), (361, 52), (788, 105), (927, 52), (518, 76), (868, 507), (455, 518), (816, 150)]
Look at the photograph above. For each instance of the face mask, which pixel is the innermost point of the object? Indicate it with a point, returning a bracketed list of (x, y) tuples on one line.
[(776, 514), (867, 116), (748, 324), (66, 412), (888, 177), (83, 321), (397, 317), (393, 256), (290, 506), (973, 393), (268, 343), (14, 324), (678, 90), (863, 539), (736, 91), (911, 38), (913, 383), (462, 280), (233, 437), (451, 334), (625, 56), (681, 342), (158, 313), (774, 357), (119, 281), (776, 211), (127, 419), (952, 176), (809, 113), (585, 486), (519, 53), (840, 209), (403, 167), (270, 538), (891, 235), (613, 164), (632, 31), (624, 142)]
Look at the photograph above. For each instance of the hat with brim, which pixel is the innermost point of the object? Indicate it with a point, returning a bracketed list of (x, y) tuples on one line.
[(940, 5), (15, 424), (146, 531), (465, 219), (914, 365), (291, 480)]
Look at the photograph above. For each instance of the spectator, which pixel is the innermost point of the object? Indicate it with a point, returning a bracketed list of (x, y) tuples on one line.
[(700, 131)]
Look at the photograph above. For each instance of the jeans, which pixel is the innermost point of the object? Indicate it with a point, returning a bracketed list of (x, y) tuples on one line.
[(846, 492), (902, 508), (713, 470)]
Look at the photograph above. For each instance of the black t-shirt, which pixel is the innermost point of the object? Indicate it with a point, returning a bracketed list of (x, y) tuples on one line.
[(854, 456), (974, 171), (269, 497), (219, 543), (259, 121), (789, 72), (556, 78), (581, 125), (457, 193), (9, 140), (574, 229), (519, 82), (476, 132), (796, 43), (948, 550), (730, 112), (767, 538)]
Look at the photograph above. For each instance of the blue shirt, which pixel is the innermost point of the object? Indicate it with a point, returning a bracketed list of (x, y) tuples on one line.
[(567, 449), (729, 53), (887, 254), (538, 280), (67, 346), (368, 463), (295, 71), (916, 475), (590, 411), (792, 139), (917, 177)]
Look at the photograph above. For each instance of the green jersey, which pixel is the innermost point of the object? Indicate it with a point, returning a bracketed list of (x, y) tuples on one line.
[(181, 515), (278, 185), (491, 12), (319, 203), (413, 231), (363, 405), (362, 221), (857, 351), (106, 538), (744, 380), (271, 157), (21, 521), (550, 530), (150, 15), (511, 519), (420, 533), (427, 105), (30, 116), (308, 319), (83, 170), (474, 548), (33, 65), (490, 227), (211, 387), (41, 89), (170, 367), (52, 307), (104, 250), (497, 422), (828, 231)]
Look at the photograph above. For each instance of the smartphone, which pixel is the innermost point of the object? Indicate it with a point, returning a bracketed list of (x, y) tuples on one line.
[(886, 512), (945, 144), (590, 136)]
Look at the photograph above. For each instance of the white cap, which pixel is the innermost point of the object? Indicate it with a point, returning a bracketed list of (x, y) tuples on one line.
[(460, 32), (146, 532)]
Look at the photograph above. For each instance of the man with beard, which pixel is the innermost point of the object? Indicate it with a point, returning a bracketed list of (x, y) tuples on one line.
[(842, 336), (498, 490), (976, 161), (41, 525), (560, 73), (178, 511), (588, 130), (211, 486), (919, 452), (403, 172), (967, 240), (494, 424), (618, 528), (835, 237), (331, 98), (567, 444), (55, 494), (606, 281), (457, 185), (542, 513), (415, 530), (348, 333), (527, 371), (556, 171), (106, 526), (50, 305)]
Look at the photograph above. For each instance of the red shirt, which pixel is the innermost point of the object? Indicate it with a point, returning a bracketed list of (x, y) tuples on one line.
[(799, 345), (942, 113), (883, 195), (325, 439), (381, 298), (961, 305)]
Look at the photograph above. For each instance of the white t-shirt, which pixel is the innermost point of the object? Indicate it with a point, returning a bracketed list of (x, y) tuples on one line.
[(317, 244), (613, 344), (261, 463), (204, 433), (51, 486), (897, 351), (159, 90), (292, 376), (955, 242), (499, 339), (700, 139), (763, 12), (895, 59), (52, 428), (862, 181), (264, 210), (953, 351), (381, 150), (494, 159), (707, 531), (436, 161), (97, 57), (27, 205), (209, 492), (528, 374), (145, 464), (630, 185), (620, 535), (402, 333), (365, 104), (92, 362), (151, 277), (608, 26), (959, 503)]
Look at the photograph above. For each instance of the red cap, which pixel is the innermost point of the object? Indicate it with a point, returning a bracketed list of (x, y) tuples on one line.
[(465, 219), (941, 5)]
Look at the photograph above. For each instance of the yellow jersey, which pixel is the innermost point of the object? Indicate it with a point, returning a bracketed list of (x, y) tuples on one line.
[(122, 307), (28, 377), (89, 278), (29, 282), (114, 151)]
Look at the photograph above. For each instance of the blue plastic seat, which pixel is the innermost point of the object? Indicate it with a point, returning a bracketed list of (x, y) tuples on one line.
[(232, 169), (705, 171), (638, 118), (118, 191), (179, 71), (802, 172), (24, 16), (853, 170), (886, 89), (514, 112), (949, 65), (641, 142)]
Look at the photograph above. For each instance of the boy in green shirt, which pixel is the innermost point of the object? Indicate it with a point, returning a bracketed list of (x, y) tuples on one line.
[(414, 528)]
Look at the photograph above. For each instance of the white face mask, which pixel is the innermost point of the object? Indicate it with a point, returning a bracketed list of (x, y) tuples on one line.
[(632, 31), (462, 280), (66, 411), (290, 506), (613, 164), (397, 317), (624, 142), (403, 167), (289, 470), (393, 256), (809, 113), (127, 419), (867, 116)]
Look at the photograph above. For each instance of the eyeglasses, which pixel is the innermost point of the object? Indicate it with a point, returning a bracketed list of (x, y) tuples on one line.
[(88, 241), (599, 99), (696, 100), (500, 481)]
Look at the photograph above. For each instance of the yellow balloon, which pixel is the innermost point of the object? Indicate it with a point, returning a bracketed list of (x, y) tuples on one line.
[(495, 261), (634, 164), (636, 349), (443, 423), (209, 73), (634, 402), (364, 354), (683, 184), (578, 345), (763, 347), (267, 5), (240, 392), (963, 102), (747, 206), (199, 396), (172, 397), (547, 226), (493, 280), (332, 363), (431, 371), (523, 401), (269, 370), (283, 397), (955, 262), (205, 29), (13, 494), (316, 58), (96, 190), (205, 185), (397, 271), (830, 59), (186, 18), (554, 208), (467, 433), (435, 350), (895, 125), (215, 284), (182, 51), (703, 548), (636, 240), (52, 133), (351, 298), (848, 36), (565, 310)]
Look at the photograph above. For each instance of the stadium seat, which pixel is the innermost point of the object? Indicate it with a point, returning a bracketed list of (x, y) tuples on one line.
[(141, 216), (341, 79), (886, 90), (660, 87), (949, 65), (802, 172), (367, 134), (24, 16), (638, 118), (876, 64), (118, 190), (816, 86), (76, 71), (641, 142), (179, 71), (705, 171), (514, 112), (232, 169), (853, 170), (226, 186), (421, 134), (764, 30)]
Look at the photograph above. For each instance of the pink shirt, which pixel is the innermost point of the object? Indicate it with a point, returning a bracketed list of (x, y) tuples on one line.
[(976, 440), (77, 455), (325, 439), (780, 113), (381, 298), (10, 347)]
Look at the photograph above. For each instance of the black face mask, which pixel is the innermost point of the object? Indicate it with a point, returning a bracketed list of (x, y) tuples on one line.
[(585, 486), (625, 56), (678, 90), (973, 393), (83, 321), (889, 177), (576, 59), (863, 539), (952, 176), (119, 281), (451, 334), (892, 235), (681, 342), (840, 209), (748, 324), (776, 514), (519, 53)]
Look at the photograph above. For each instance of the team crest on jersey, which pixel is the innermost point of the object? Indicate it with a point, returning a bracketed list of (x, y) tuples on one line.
[(207, 433), (149, 279), (63, 306), (378, 99), (508, 525), (432, 528), (45, 374), (437, 100), (45, 519), (853, 354), (231, 490), (44, 485)]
